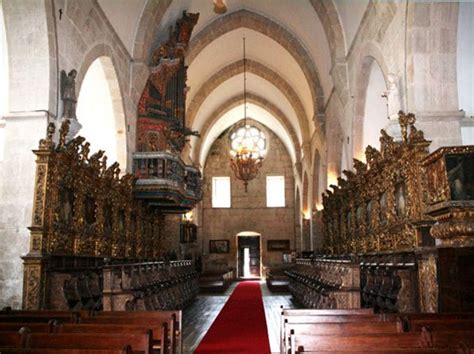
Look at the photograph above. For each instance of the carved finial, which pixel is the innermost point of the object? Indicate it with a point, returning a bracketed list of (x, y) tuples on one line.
[(372, 155), (63, 132), (359, 166), (103, 165), (406, 120), (48, 142), (85, 151)]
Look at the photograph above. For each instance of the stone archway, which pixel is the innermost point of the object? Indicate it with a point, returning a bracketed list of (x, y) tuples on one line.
[(367, 65), (100, 111)]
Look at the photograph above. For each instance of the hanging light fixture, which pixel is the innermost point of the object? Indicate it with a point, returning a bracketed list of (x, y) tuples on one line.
[(247, 144)]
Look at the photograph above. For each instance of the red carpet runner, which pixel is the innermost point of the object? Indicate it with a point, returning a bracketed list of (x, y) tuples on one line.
[(241, 326)]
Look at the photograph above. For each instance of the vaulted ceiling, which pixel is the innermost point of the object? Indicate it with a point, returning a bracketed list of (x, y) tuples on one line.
[(291, 46)]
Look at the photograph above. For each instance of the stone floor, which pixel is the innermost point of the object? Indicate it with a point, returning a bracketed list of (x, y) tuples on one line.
[(198, 318)]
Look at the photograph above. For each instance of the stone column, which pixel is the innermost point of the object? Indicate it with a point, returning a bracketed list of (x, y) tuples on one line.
[(17, 181)]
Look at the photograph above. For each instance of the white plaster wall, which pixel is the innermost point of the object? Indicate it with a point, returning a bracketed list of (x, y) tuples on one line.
[(465, 55), (17, 176), (124, 16), (375, 108), (3, 67), (350, 15), (94, 111), (29, 54)]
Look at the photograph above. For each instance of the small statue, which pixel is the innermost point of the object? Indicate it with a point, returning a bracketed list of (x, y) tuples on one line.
[(68, 93)]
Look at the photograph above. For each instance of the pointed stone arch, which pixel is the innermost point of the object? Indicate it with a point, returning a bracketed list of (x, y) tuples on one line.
[(258, 69), (372, 56), (101, 78), (262, 24), (236, 101)]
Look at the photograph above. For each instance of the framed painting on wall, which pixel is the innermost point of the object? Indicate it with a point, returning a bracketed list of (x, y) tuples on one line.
[(278, 245), (219, 246)]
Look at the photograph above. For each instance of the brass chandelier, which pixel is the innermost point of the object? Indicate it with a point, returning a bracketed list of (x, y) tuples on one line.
[(248, 145)]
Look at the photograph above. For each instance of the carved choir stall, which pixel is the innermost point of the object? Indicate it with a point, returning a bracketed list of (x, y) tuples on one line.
[(324, 283), (406, 217), (96, 235), (164, 180)]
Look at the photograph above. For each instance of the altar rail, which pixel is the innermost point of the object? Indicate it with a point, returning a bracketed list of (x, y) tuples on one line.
[(325, 283), (149, 286)]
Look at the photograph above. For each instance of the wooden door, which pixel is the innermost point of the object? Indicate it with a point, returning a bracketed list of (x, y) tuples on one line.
[(253, 243)]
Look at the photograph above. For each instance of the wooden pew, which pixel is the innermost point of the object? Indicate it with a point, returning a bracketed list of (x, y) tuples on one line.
[(140, 343), (41, 316), (411, 341), (312, 312), (34, 327), (308, 326), (159, 331), (439, 325), (316, 316), (125, 350), (174, 319)]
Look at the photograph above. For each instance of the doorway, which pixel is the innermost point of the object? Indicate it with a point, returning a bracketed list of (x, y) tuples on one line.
[(248, 255)]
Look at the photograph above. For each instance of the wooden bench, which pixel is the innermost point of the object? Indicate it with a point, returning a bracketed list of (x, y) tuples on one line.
[(306, 331), (159, 332), (43, 316), (311, 312), (411, 341), (439, 325), (151, 319), (277, 281), (125, 350), (215, 281), (34, 327), (140, 343)]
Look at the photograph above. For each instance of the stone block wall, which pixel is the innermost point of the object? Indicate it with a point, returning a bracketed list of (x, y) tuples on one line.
[(248, 211)]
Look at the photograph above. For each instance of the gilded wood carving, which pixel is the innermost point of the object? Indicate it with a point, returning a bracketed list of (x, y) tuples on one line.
[(377, 206)]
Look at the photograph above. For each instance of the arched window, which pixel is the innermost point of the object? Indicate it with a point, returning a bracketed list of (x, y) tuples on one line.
[(100, 111), (375, 116)]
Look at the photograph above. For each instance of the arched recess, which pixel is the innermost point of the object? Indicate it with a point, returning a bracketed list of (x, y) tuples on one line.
[(306, 228), (233, 116), (306, 206), (375, 111), (298, 218), (370, 111), (260, 70), (100, 111), (212, 129), (317, 181)]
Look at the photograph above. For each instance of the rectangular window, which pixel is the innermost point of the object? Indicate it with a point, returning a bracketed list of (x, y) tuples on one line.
[(275, 191), (221, 192)]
